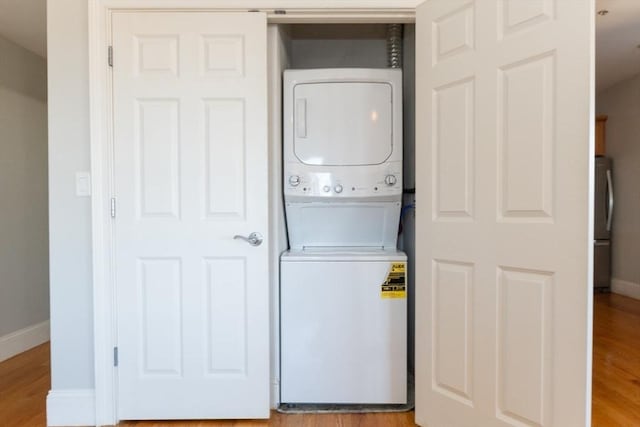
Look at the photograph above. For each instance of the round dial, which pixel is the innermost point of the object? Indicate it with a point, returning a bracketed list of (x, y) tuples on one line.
[(390, 180), (326, 188), (294, 180), (338, 188)]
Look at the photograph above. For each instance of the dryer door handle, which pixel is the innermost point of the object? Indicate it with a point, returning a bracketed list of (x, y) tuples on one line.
[(301, 117)]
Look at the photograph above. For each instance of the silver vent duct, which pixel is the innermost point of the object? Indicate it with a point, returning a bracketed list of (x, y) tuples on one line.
[(394, 45)]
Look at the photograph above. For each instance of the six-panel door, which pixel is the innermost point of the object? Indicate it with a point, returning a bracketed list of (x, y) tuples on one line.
[(503, 106), (190, 163)]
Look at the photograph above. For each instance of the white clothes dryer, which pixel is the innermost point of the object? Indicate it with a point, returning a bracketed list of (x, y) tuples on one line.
[(342, 157)]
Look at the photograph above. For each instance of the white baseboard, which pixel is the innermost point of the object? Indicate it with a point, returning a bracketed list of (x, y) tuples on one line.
[(626, 288), (23, 340), (71, 408)]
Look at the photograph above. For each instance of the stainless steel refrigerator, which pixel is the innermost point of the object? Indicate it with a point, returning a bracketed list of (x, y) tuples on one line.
[(602, 224)]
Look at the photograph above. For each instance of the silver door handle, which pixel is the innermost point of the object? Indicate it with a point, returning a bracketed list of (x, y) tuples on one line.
[(254, 239), (610, 205)]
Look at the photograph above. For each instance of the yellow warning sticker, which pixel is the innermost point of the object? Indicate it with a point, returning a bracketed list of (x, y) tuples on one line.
[(396, 284)]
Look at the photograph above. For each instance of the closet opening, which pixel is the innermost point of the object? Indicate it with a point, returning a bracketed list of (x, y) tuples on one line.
[(340, 46)]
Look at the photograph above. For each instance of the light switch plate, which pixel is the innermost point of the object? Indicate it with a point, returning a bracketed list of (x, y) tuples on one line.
[(83, 184)]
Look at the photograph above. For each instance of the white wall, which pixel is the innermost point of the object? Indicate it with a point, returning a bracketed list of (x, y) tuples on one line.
[(621, 103), (329, 46), (24, 264), (69, 216)]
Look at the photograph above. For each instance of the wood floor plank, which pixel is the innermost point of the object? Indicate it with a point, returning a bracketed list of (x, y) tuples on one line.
[(25, 381)]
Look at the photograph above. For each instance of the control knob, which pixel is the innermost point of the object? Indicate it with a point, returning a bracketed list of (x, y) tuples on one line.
[(338, 188), (390, 180), (294, 180), (326, 188)]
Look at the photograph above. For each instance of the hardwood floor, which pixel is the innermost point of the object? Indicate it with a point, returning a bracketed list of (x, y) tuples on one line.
[(616, 361), (404, 419), (25, 381)]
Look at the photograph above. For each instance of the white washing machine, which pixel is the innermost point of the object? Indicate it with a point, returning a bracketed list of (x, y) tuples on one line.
[(343, 327), (343, 282)]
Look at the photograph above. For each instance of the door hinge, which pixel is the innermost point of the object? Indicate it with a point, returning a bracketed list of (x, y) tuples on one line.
[(113, 207), (115, 356), (110, 55)]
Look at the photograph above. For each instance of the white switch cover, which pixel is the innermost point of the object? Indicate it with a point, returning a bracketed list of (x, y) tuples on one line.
[(83, 184)]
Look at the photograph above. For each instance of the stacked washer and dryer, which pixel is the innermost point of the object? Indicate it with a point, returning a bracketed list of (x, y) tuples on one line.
[(343, 287)]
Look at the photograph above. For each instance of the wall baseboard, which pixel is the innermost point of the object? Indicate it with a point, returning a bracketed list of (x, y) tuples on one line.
[(23, 340), (626, 288), (71, 408)]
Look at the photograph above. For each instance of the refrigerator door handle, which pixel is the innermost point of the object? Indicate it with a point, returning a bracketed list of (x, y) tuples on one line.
[(610, 206)]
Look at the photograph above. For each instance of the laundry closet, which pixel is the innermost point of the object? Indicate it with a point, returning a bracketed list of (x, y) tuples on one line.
[(197, 209), (349, 233)]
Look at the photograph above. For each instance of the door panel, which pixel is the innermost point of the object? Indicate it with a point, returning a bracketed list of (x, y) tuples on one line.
[(157, 145), (190, 163), (452, 329), (224, 133), (525, 136), (503, 302)]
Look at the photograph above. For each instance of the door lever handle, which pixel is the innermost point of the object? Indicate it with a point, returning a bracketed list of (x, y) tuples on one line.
[(254, 239)]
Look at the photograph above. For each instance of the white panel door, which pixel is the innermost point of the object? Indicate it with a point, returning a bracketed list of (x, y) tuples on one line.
[(503, 305), (190, 162)]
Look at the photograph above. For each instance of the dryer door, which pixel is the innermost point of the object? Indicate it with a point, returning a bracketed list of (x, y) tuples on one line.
[(342, 123)]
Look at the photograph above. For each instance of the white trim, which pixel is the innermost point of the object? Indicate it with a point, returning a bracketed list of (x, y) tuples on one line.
[(626, 288), (23, 340), (325, 16), (277, 61), (100, 12), (264, 5), (101, 189), (71, 408)]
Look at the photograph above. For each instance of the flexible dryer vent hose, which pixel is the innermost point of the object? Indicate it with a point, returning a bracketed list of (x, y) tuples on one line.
[(394, 45)]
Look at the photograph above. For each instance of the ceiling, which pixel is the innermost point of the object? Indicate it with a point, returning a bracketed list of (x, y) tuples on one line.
[(617, 35), (25, 23), (617, 42)]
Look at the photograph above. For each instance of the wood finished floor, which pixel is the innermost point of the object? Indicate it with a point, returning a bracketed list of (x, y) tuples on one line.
[(616, 362), (25, 381)]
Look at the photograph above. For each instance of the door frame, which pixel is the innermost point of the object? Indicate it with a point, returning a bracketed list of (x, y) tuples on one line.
[(101, 140)]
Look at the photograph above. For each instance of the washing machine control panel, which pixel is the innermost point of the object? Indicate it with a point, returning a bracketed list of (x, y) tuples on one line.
[(385, 181)]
